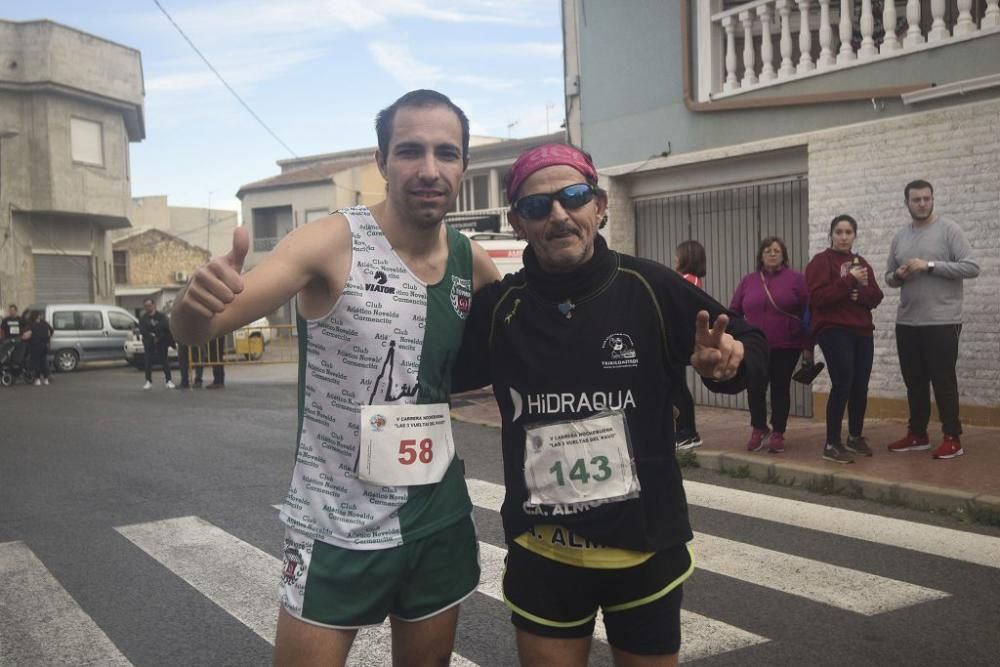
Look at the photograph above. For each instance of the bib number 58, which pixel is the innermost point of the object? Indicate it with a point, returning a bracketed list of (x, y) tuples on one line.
[(410, 451)]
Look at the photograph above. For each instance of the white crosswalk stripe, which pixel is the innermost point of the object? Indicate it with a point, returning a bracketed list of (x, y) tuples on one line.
[(703, 636), (946, 542), (40, 623), (839, 587), (203, 555)]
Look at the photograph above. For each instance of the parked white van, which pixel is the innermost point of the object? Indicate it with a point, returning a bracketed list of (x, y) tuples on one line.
[(503, 248), (86, 332)]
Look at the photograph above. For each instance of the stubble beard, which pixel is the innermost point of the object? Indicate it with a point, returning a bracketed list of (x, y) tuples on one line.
[(918, 218)]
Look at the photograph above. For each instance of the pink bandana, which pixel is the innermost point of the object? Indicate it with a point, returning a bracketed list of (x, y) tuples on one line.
[(548, 155)]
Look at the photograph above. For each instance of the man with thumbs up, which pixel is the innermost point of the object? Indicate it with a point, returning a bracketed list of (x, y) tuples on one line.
[(378, 516)]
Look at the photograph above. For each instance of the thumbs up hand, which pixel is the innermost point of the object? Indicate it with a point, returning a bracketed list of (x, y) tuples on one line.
[(215, 285)]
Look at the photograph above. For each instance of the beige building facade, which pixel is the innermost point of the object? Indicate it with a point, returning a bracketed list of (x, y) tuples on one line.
[(153, 264), (70, 105)]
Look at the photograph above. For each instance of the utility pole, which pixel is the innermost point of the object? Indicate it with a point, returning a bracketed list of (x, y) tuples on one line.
[(510, 126), (548, 105)]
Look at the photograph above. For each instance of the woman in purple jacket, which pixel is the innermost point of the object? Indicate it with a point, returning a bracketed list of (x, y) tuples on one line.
[(774, 298)]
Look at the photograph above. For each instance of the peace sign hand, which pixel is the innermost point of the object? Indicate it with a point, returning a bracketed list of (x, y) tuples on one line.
[(717, 355)]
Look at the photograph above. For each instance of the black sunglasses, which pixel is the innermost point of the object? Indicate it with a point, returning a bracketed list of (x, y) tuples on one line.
[(538, 207)]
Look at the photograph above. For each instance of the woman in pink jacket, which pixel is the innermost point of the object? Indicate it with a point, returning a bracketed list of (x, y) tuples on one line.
[(774, 299)]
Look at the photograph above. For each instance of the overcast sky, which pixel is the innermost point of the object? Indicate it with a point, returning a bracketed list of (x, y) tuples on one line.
[(316, 71)]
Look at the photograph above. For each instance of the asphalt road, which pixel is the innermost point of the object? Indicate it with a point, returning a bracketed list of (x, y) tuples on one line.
[(137, 527)]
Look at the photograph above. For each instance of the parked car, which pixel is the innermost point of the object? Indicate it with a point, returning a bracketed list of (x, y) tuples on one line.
[(503, 248), (135, 354), (86, 332), (248, 342)]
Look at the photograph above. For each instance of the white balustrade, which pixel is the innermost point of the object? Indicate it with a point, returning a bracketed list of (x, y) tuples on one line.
[(750, 63), (766, 49), (939, 30), (826, 58), (991, 19), (731, 81), (787, 67), (846, 50), (749, 72), (889, 42), (965, 25), (867, 49)]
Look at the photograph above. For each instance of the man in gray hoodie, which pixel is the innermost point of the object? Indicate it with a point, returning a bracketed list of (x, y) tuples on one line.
[(928, 260)]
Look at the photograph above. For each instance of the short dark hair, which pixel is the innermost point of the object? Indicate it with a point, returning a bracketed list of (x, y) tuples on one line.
[(691, 258), (841, 218), (765, 244), (13, 305), (418, 98), (916, 185), (148, 300)]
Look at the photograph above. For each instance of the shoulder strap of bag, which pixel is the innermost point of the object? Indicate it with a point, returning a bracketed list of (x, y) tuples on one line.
[(771, 299)]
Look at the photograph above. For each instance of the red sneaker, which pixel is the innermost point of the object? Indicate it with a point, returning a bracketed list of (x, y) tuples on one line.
[(776, 443), (911, 443), (758, 439), (949, 448)]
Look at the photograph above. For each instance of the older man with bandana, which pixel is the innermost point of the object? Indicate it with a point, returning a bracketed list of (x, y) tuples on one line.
[(584, 348)]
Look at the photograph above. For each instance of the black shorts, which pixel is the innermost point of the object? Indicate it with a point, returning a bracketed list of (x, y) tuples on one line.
[(641, 604)]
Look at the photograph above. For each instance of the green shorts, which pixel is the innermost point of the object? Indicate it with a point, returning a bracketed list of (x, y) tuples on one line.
[(346, 588)]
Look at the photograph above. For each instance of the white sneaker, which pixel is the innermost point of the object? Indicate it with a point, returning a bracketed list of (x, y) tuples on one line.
[(148, 385), (38, 383), (45, 381), (170, 384)]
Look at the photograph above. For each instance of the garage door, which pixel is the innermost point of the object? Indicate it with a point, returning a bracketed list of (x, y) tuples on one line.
[(729, 223), (63, 279)]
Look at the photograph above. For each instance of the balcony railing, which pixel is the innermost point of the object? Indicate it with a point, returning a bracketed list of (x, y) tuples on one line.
[(768, 42)]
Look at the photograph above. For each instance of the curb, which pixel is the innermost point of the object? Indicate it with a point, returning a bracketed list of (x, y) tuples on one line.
[(910, 494)]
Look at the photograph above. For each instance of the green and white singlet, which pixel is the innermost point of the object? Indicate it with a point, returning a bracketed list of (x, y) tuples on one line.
[(390, 339)]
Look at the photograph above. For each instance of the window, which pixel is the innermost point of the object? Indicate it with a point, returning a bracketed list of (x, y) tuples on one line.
[(121, 321), (90, 320), (87, 139), (475, 193), (120, 258), (316, 214), (269, 225), (63, 320)]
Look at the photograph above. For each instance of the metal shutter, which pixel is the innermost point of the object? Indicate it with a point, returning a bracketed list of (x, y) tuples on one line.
[(730, 224), (63, 279)]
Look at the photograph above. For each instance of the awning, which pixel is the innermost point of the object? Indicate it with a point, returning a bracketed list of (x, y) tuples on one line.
[(137, 291)]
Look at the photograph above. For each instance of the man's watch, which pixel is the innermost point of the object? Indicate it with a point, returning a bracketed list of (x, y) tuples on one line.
[(930, 267)]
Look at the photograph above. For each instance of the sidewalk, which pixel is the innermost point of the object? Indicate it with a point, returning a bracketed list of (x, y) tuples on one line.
[(913, 478)]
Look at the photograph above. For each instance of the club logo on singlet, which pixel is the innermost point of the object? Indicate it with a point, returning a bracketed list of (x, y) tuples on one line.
[(292, 567), (378, 423), (619, 351), (461, 295)]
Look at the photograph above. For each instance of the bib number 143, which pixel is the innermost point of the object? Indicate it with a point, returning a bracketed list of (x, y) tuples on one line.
[(599, 471)]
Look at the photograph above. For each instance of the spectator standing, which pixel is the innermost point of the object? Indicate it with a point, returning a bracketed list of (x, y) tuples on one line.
[(774, 298), (842, 294), (216, 356), (154, 327), (184, 359), (928, 260), (38, 334), (12, 325), (689, 261)]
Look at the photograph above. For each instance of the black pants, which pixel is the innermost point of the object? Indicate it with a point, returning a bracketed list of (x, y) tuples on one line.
[(184, 360), (155, 352), (40, 362), (849, 357), (216, 354), (684, 403), (927, 357), (780, 367)]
